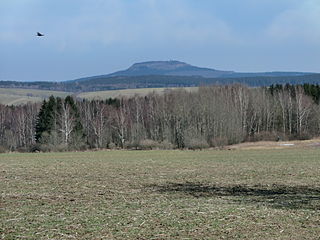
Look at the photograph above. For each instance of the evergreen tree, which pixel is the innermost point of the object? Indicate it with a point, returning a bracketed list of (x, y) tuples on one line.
[(46, 118)]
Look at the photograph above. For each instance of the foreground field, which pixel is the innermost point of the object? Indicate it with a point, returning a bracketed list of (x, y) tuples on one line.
[(237, 194)]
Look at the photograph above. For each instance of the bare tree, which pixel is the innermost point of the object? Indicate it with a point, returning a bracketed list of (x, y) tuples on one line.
[(66, 122), (303, 108), (98, 123)]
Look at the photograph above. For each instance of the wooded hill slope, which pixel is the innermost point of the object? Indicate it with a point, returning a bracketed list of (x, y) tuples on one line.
[(167, 74), (210, 117), (131, 82)]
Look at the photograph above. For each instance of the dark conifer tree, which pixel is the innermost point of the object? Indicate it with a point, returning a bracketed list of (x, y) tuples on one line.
[(46, 118)]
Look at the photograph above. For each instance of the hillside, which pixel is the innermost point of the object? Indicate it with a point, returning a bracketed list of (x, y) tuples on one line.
[(177, 68), (166, 74), (159, 81), (172, 68), (13, 96), (132, 82)]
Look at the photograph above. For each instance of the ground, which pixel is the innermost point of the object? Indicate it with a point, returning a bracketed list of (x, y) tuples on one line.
[(212, 194)]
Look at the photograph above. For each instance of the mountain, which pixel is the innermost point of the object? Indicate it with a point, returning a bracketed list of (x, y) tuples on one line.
[(101, 83), (163, 74), (172, 68), (177, 68)]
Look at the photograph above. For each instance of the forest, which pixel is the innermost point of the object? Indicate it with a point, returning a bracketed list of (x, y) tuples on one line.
[(102, 83), (213, 116)]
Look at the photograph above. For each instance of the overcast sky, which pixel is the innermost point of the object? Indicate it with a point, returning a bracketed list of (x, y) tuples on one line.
[(93, 37)]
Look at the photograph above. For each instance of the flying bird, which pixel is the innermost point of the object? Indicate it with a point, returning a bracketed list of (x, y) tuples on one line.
[(40, 34)]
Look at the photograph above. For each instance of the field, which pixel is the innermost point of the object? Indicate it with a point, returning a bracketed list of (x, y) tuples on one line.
[(212, 194), (16, 96), (126, 92)]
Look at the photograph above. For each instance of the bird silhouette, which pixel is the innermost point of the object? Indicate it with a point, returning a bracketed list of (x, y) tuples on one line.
[(40, 34)]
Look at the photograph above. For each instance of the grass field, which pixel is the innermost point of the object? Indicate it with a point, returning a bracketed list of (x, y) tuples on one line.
[(16, 96), (126, 92), (236, 194)]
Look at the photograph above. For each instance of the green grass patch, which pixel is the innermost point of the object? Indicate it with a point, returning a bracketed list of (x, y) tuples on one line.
[(241, 194)]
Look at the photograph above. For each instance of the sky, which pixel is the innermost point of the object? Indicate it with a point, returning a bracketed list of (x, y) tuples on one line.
[(94, 37)]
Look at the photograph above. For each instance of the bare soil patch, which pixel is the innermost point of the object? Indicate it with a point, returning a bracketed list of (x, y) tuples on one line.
[(312, 143)]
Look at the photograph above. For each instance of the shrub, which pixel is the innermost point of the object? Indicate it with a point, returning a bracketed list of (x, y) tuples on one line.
[(23, 149), (3, 149), (59, 148), (166, 145), (53, 148), (74, 147), (196, 144), (151, 144), (218, 142), (304, 136), (112, 146), (268, 136), (35, 148), (135, 145), (148, 144), (45, 148)]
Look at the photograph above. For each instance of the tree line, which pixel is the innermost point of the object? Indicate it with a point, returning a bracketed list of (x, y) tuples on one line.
[(100, 83), (213, 116)]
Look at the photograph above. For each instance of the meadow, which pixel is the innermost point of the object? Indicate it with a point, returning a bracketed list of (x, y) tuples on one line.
[(17, 96), (211, 194)]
